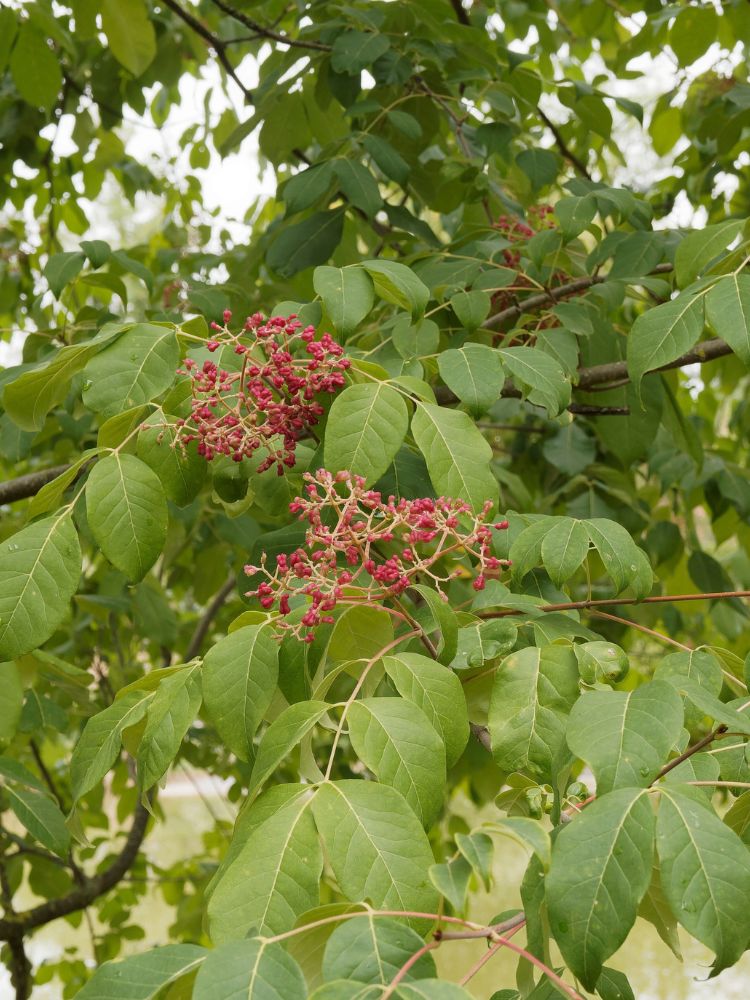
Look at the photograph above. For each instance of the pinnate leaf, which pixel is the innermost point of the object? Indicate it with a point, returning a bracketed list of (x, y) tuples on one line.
[(601, 868), (39, 571)]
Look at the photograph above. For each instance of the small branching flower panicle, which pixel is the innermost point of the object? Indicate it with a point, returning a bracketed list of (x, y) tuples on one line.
[(271, 400), (361, 546)]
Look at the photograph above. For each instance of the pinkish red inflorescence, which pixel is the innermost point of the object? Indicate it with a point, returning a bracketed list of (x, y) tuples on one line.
[(362, 547), (269, 403)]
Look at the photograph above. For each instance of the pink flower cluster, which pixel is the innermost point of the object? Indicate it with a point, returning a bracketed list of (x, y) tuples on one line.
[(270, 402), (362, 547)]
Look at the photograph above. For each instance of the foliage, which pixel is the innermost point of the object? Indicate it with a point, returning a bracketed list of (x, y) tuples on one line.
[(357, 558)]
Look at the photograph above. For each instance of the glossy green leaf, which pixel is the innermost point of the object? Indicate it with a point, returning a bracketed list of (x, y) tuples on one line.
[(705, 873), (143, 977), (662, 334), (141, 365), (474, 373), (272, 878), (437, 691), (545, 382), (130, 33), (626, 736), (564, 548), (240, 673), (457, 455), (347, 293), (127, 513), (251, 969), (39, 571), (395, 739), (172, 710), (366, 427), (372, 950), (41, 816), (623, 560), (306, 243), (701, 246), (398, 284), (601, 868), (375, 844), (284, 733), (101, 739), (728, 312), (532, 692)]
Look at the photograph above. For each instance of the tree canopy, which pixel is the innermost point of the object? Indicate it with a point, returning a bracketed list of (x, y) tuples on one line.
[(410, 503)]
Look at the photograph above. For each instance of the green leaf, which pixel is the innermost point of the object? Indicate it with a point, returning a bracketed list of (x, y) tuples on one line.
[(546, 382), (354, 51), (601, 662), (709, 705), (564, 548), (97, 251), (696, 666), (101, 740), (623, 560), (728, 312), (601, 868), (483, 641), (532, 693), (705, 873), (361, 632), (443, 619), (39, 571), (526, 548), (471, 308), (474, 373), (613, 985), (49, 496), (385, 156), (308, 186), (359, 186), (29, 398), (457, 455), (737, 817), (182, 474), (347, 293), (451, 879), (375, 844), (41, 816), (143, 977), (273, 878), (432, 989), (172, 710), (372, 950), (284, 733), (61, 268), (663, 334), (540, 166), (10, 769), (478, 850), (528, 833), (306, 243), (240, 673), (35, 68), (11, 703), (366, 427), (625, 736), (571, 450), (397, 742), (437, 692), (130, 33), (700, 247), (398, 284), (575, 214), (141, 365), (251, 970), (127, 513)]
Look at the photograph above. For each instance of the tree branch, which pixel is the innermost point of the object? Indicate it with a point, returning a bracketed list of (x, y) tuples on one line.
[(569, 155), (194, 646), (29, 485), (611, 602), (90, 888), (219, 47), (709, 350), (263, 32)]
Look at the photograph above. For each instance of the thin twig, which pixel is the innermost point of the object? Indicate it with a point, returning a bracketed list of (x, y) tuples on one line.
[(566, 151), (641, 628), (204, 624), (262, 31)]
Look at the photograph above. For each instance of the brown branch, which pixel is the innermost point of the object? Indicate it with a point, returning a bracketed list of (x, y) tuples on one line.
[(29, 485), (90, 888), (566, 151), (482, 734), (462, 15), (263, 32), (709, 350), (20, 967), (695, 748), (219, 47), (612, 602), (194, 646)]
